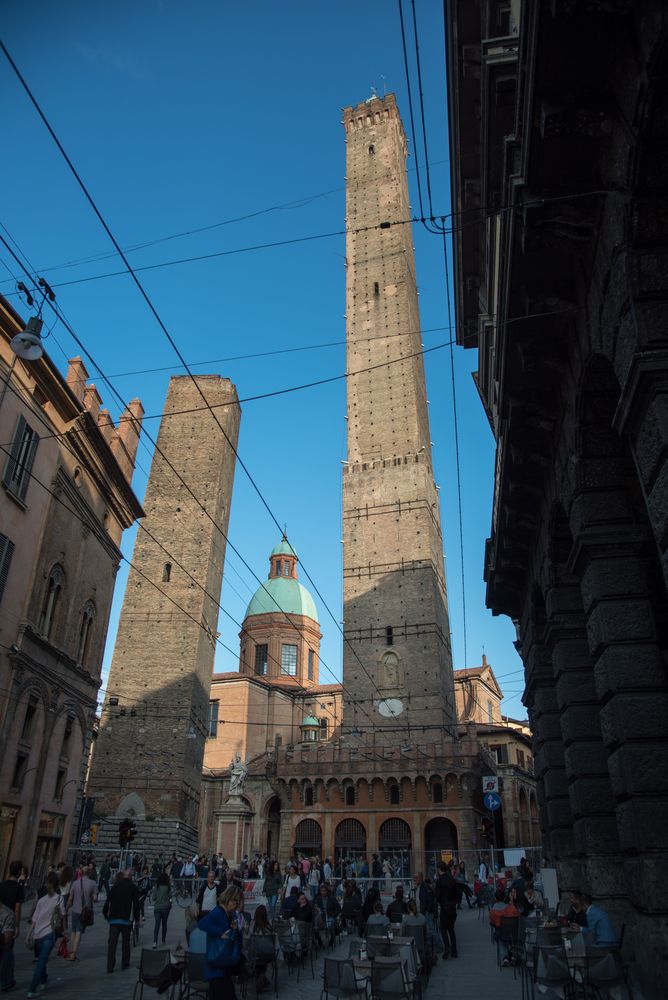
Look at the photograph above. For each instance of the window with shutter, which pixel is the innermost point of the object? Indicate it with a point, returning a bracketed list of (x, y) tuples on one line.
[(18, 467), (6, 552)]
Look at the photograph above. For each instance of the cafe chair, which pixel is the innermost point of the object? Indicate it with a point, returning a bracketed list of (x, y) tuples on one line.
[(193, 983), (552, 971), (262, 954), (306, 945), (604, 970), (155, 970), (289, 944), (340, 979), (389, 980)]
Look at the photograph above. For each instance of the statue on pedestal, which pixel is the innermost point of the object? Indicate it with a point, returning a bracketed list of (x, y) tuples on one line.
[(238, 773)]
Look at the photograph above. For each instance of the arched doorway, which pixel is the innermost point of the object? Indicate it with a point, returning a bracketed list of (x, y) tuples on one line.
[(308, 837), (273, 826), (394, 843), (349, 843), (440, 842)]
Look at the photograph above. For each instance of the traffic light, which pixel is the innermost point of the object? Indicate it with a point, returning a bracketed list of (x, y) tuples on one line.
[(123, 832), (93, 835), (132, 832)]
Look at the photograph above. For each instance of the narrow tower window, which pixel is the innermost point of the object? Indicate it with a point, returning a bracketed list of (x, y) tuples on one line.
[(389, 636), (376, 288), (166, 573), (350, 796), (372, 150), (394, 795)]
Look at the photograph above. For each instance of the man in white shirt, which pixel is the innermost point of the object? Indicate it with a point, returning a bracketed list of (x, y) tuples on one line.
[(207, 897), (327, 870)]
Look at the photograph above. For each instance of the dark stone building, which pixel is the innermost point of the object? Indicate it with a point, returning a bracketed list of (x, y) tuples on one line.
[(559, 145)]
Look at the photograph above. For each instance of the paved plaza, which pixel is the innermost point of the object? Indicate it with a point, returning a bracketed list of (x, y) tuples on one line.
[(473, 974)]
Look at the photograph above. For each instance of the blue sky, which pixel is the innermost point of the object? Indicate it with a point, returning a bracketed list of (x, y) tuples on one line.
[(183, 116)]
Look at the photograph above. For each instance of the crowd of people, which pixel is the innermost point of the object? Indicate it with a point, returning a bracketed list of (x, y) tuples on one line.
[(350, 897)]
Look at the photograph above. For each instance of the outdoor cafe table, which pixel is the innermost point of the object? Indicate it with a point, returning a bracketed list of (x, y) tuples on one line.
[(404, 948)]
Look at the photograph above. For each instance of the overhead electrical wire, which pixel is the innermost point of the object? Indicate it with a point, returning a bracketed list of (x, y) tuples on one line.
[(175, 347)]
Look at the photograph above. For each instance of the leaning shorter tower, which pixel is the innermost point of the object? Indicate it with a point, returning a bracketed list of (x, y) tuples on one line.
[(147, 761)]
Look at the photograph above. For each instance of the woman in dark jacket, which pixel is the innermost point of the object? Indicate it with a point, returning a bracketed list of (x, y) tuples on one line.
[(162, 905), (222, 923), (273, 883)]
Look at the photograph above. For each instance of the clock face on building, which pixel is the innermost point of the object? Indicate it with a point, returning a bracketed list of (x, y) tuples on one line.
[(390, 707)]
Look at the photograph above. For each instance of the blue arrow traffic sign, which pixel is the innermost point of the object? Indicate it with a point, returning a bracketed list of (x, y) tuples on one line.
[(492, 801)]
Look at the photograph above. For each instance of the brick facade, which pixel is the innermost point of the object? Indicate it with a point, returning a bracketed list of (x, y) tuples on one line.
[(397, 632), (148, 756)]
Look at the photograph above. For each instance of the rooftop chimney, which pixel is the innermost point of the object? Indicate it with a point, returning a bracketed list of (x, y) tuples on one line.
[(77, 376), (125, 437)]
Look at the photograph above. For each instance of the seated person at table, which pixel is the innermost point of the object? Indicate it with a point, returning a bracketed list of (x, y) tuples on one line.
[(303, 911), (326, 910), (413, 918), (290, 904), (498, 910), (599, 931), (261, 946), (369, 903), (351, 906), (520, 902), (377, 923), (533, 896), (577, 913), (397, 908)]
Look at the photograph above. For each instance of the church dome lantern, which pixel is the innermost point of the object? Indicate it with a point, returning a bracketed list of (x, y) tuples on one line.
[(310, 729), (281, 622)]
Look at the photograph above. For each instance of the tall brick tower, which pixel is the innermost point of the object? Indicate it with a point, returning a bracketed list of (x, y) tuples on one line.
[(395, 602), (147, 761)]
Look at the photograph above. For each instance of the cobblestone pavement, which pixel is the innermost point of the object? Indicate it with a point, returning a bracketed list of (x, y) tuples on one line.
[(473, 974)]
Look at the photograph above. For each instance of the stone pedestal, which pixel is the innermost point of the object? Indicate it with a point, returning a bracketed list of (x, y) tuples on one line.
[(233, 824)]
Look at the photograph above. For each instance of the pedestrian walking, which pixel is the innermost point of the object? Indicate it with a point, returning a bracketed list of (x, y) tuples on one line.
[(80, 909), (46, 926), (121, 907), (272, 886), (162, 905), (105, 875), (447, 893)]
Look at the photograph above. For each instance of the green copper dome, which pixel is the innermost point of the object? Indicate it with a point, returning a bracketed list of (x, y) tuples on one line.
[(309, 720), (288, 595), (282, 592)]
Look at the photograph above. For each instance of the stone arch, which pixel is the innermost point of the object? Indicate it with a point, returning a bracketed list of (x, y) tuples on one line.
[(378, 790), (132, 807), (350, 840), (440, 834), (308, 837), (271, 812)]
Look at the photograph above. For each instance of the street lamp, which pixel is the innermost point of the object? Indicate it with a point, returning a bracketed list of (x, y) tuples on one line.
[(27, 344)]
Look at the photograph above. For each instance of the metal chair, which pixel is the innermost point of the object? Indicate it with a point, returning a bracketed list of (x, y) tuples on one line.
[(289, 943), (194, 984), (341, 980), (306, 944), (263, 952), (604, 970), (552, 970), (389, 980), (155, 970), (373, 942)]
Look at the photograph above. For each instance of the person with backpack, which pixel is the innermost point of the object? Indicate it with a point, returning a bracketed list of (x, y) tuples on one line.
[(223, 944), (47, 924)]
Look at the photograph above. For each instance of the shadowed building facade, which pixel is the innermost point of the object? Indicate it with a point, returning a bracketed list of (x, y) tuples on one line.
[(559, 131), (147, 760), (65, 499)]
